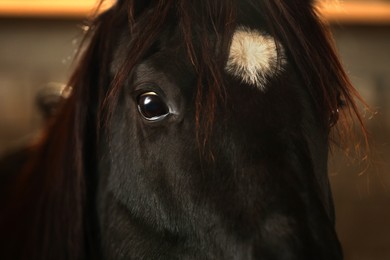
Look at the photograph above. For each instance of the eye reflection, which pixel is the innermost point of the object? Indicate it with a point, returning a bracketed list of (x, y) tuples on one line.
[(151, 106)]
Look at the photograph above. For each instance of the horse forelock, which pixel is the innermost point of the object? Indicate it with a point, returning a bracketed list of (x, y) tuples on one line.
[(220, 36)]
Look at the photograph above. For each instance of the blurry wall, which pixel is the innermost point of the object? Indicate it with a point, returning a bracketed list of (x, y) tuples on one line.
[(34, 52), (362, 188)]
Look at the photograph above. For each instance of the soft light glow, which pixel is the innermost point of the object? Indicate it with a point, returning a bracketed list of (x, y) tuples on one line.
[(72, 8), (370, 11)]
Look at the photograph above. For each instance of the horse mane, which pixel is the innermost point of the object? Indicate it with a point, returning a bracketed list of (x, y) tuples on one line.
[(48, 210), (320, 68)]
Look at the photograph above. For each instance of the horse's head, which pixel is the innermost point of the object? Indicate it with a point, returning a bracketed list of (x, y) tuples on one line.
[(217, 143), (195, 130)]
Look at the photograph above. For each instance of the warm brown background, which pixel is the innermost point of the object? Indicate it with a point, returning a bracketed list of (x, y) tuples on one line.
[(363, 194), (37, 50)]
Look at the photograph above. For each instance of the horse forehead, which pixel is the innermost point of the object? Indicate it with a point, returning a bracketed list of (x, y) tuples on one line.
[(254, 57)]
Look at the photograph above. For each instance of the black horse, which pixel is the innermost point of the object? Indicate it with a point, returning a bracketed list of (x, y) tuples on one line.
[(195, 130)]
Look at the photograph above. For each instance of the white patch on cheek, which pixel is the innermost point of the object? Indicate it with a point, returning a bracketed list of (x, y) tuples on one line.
[(254, 57)]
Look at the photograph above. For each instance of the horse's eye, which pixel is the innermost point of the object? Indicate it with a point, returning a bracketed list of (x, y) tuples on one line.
[(151, 106)]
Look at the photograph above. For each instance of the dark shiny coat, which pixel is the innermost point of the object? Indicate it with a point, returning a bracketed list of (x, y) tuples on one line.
[(234, 173)]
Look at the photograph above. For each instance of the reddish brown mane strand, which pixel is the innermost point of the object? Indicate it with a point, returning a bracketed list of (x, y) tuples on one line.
[(208, 63), (312, 49), (199, 21)]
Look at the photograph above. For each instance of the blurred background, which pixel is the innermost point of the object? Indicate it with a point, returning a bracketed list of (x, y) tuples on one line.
[(38, 40)]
